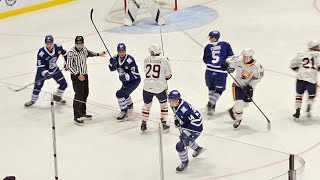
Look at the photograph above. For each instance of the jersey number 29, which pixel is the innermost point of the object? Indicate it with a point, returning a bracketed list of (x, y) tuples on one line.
[(153, 70)]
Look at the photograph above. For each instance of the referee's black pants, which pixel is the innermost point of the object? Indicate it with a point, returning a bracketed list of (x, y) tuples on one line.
[(81, 90)]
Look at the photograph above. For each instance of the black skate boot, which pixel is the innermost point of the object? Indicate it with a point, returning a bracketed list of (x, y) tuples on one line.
[(29, 103), (123, 116), (130, 107), (59, 99), (309, 111), (87, 117), (297, 114), (182, 167), (144, 126), (79, 121), (231, 114), (236, 123), (165, 127), (211, 109), (198, 151)]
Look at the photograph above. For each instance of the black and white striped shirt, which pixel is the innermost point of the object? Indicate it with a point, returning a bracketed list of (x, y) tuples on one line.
[(77, 60)]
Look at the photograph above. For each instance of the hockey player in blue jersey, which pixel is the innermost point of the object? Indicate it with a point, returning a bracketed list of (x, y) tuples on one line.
[(47, 68), (128, 75), (189, 121), (215, 54)]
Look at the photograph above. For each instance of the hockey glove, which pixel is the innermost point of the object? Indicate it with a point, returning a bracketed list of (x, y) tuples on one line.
[(176, 122), (124, 77), (113, 61), (46, 74), (127, 70), (224, 66), (248, 90)]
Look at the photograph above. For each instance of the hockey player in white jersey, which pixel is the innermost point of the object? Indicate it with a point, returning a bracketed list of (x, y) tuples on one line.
[(134, 6), (158, 71), (306, 64), (249, 74)]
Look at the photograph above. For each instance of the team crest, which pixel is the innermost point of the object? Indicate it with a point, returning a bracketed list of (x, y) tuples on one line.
[(245, 74)]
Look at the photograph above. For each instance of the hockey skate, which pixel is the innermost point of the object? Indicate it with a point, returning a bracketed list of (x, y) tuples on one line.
[(130, 107), (57, 98), (231, 114), (79, 121), (143, 126), (87, 117), (309, 111), (297, 114), (182, 167), (123, 116), (29, 103), (210, 109), (236, 123), (165, 127), (198, 151)]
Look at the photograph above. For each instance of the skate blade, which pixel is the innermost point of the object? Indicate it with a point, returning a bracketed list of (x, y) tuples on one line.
[(200, 153), (122, 120), (79, 124), (182, 170), (143, 132), (165, 131)]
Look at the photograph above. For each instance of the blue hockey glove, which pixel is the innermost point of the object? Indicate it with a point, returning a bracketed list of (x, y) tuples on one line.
[(124, 77), (113, 61)]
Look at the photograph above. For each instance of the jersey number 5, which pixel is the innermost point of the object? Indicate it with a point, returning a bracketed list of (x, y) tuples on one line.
[(215, 57), (306, 64), (153, 71)]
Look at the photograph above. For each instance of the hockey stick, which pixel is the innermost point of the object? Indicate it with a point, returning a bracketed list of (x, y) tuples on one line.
[(161, 40), (99, 33), (24, 87), (135, 2), (269, 123)]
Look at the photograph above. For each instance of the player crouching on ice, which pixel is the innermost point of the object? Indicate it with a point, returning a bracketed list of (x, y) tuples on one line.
[(134, 6), (190, 122), (249, 74), (47, 68), (128, 75), (306, 64)]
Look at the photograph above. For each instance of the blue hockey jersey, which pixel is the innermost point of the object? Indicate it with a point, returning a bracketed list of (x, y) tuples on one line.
[(47, 60), (127, 66), (215, 54), (188, 117)]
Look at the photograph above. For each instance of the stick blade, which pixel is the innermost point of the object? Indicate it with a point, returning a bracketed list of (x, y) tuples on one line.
[(269, 126)]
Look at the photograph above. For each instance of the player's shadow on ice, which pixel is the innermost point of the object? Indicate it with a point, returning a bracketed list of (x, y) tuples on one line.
[(305, 121)]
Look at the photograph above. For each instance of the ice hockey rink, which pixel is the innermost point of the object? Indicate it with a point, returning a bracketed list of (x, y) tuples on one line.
[(106, 149)]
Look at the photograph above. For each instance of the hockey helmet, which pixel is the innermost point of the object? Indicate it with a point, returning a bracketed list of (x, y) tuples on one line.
[(248, 52), (79, 40), (313, 43), (48, 39), (155, 48), (121, 47), (214, 34), (174, 95)]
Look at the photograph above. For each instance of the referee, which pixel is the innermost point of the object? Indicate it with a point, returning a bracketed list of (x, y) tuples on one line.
[(77, 65)]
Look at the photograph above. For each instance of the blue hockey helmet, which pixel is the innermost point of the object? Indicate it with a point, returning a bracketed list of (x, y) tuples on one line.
[(121, 47), (214, 34), (174, 94), (48, 39)]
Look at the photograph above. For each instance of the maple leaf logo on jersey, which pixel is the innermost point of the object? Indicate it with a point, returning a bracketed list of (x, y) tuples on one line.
[(245, 74)]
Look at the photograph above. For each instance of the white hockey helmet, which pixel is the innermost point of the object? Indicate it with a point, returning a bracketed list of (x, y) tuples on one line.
[(155, 49), (313, 43), (248, 52)]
